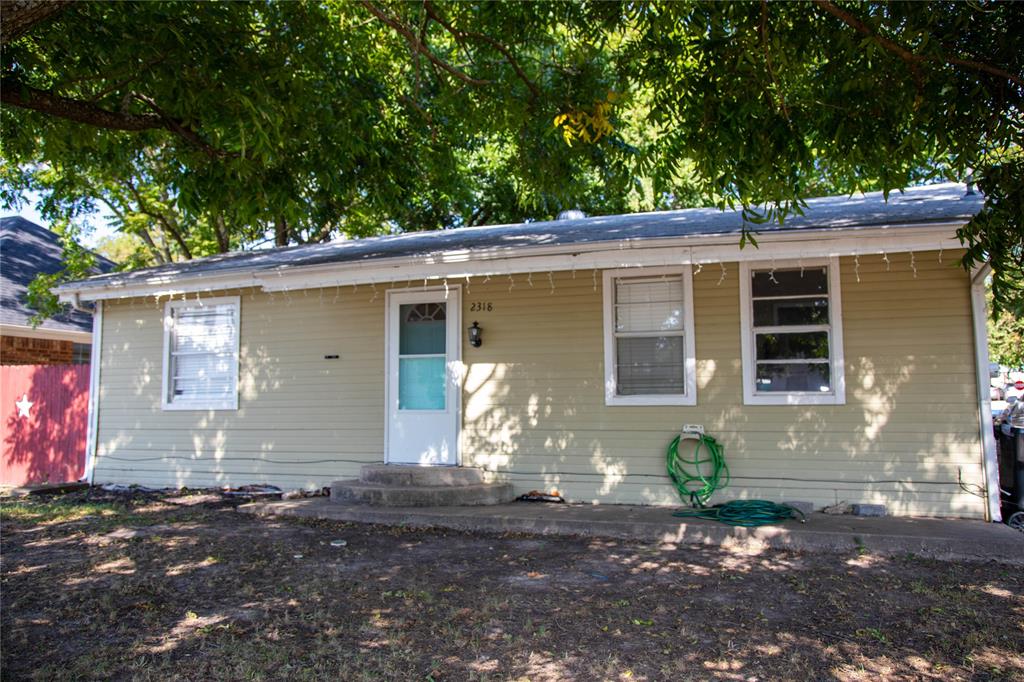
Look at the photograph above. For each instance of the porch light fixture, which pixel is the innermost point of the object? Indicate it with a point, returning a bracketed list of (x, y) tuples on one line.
[(474, 335)]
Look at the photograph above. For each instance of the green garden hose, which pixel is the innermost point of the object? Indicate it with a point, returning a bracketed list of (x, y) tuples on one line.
[(698, 478), (746, 513)]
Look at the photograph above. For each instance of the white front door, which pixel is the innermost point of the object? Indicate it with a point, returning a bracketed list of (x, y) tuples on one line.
[(423, 342)]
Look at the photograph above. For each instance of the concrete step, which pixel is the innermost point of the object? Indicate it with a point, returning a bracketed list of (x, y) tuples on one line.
[(397, 474), (358, 491)]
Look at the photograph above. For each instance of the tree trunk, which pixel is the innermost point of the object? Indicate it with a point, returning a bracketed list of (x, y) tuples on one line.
[(280, 231)]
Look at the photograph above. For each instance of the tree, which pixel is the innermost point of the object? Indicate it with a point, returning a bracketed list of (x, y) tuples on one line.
[(305, 120), (768, 104), (1006, 338)]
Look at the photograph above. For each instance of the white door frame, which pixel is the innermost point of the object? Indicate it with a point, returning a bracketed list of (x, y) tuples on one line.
[(452, 295)]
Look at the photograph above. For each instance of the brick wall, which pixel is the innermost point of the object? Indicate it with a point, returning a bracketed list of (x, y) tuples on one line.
[(21, 350)]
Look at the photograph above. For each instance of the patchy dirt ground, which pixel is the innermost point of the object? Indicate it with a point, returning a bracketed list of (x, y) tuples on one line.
[(143, 588)]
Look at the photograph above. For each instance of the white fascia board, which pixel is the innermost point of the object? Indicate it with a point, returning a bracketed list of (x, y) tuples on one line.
[(662, 252), (163, 287), (615, 255), (48, 334)]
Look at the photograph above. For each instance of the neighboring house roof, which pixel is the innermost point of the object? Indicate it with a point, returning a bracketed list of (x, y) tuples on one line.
[(915, 207), (26, 250)]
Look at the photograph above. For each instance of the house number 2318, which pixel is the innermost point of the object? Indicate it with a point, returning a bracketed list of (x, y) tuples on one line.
[(481, 307)]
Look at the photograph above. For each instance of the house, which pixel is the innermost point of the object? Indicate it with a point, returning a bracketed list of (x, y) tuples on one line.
[(44, 369), (26, 250), (842, 359)]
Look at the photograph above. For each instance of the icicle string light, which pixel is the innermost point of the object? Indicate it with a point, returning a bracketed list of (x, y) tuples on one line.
[(722, 278), (856, 265), (467, 285), (529, 279), (913, 264), (940, 254), (888, 265), (373, 285), (595, 279), (446, 288), (337, 293), (700, 266), (771, 273), (801, 261), (551, 280), (511, 283)]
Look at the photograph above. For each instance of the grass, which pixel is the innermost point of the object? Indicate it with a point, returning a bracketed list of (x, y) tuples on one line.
[(139, 588)]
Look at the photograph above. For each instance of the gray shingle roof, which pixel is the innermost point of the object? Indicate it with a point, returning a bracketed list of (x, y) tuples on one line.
[(26, 250), (916, 206)]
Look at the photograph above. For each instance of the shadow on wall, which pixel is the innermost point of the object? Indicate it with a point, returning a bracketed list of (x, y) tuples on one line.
[(534, 413), (45, 419), (533, 403), (289, 429)]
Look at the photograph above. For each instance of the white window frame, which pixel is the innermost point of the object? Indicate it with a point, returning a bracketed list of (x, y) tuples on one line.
[(166, 402), (611, 396), (837, 396)]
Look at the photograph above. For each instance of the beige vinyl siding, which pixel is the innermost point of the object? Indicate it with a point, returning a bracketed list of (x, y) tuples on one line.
[(533, 396), (535, 406), (301, 421)]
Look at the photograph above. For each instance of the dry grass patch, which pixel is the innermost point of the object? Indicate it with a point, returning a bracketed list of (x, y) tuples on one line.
[(142, 589)]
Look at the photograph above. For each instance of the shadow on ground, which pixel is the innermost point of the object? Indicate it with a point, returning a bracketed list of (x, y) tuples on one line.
[(148, 588)]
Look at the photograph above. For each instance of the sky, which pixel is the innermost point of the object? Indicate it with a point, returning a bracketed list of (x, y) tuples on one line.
[(98, 222)]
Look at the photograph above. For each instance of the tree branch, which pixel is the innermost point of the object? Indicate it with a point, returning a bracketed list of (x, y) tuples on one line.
[(156, 215), (16, 94), (417, 45), (906, 55), (180, 129), (320, 236), (21, 16), (768, 60), (505, 51), (221, 231), (142, 232)]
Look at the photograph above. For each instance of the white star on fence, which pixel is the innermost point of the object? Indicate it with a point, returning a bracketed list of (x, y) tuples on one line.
[(24, 405)]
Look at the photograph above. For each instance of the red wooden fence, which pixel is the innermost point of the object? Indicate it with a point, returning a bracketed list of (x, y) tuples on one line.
[(45, 413)]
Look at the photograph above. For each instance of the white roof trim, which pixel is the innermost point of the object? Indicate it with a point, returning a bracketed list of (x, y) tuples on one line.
[(41, 333), (693, 249)]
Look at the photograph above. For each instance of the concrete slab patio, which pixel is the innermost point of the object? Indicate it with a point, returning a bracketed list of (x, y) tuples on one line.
[(955, 540)]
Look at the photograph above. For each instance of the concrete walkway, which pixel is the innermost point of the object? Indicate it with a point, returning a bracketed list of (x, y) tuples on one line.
[(954, 540)]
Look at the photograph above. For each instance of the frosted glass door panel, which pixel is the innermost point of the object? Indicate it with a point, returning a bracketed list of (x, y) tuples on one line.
[(422, 358), (421, 383)]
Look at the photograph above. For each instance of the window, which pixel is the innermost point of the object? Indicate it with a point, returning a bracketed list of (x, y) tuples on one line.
[(201, 354), (648, 341), (791, 333), (81, 353), (422, 356)]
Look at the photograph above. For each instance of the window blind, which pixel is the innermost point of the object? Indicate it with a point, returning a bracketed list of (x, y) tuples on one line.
[(203, 368)]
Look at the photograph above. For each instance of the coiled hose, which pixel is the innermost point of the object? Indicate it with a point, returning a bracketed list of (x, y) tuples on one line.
[(697, 478), (745, 513)]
